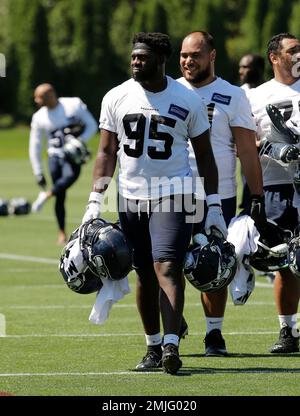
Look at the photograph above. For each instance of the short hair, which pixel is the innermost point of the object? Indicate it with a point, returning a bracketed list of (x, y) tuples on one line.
[(158, 42), (258, 61), (274, 44), (209, 39)]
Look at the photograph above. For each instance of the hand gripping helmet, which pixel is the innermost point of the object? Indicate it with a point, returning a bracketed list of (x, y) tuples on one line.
[(75, 150), (272, 251), (106, 249), (294, 253), (211, 263)]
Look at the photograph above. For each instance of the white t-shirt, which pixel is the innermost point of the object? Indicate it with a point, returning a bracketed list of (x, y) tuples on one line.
[(69, 110), (227, 106), (153, 131), (286, 98)]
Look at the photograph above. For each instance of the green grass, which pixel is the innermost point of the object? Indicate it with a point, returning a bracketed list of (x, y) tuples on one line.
[(51, 348)]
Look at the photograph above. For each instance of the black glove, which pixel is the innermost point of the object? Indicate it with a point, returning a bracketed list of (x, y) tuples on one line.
[(41, 181), (257, 211)]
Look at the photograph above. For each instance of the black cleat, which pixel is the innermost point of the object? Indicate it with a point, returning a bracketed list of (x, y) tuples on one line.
[(171, 362), (215, 344), (184, 329), (286, 343), (150, 361)]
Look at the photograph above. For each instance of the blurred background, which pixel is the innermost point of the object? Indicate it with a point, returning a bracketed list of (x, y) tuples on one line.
[(83, 46)]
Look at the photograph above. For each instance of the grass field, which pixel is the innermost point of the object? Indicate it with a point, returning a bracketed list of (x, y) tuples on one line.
[(51, 348)]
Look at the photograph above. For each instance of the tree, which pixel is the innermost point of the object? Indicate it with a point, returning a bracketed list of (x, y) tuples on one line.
[(294, 20), (30, 41)]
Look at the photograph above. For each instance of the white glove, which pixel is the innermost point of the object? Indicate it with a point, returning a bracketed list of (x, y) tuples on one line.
[(214, 217), (93, 208)]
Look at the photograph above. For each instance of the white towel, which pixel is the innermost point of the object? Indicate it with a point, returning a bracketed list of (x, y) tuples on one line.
[(243, 234), (110, 293)]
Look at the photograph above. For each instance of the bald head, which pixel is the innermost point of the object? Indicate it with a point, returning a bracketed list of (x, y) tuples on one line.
[(45, 95), (197, 57)]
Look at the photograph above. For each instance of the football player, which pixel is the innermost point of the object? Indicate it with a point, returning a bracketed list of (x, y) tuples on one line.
[(232, 132), (55, 117), (251, 71), (283, 93), (146, 123)]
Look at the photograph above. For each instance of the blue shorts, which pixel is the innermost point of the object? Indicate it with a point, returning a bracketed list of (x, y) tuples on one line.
[(158, 230), (279, 206)]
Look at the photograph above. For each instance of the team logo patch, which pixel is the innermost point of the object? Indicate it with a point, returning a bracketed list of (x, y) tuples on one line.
[(220, 98), (179, 112)]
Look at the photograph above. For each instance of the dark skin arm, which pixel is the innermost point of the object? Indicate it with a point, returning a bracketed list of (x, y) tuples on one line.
[(247, 153), (206, 163), (106, 160)]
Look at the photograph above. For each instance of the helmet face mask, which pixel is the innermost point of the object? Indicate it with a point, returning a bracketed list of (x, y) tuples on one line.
[(294, 254), (211, 266), (272, 251), (74, 268), (75, 150)]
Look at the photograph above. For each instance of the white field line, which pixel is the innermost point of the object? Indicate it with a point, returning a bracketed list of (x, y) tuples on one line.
[(10, 256), (132, 334), (116, 305), (143, 373)]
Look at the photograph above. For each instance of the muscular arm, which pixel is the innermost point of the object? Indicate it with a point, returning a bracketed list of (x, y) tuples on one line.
[(206, 163), (106, 159), (247, 153)]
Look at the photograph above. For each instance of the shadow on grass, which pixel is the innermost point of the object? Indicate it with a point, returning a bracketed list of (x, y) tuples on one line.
[(244, 355), (189, 371)]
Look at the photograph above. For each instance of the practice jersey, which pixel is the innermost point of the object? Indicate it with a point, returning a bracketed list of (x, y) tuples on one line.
[(287, 99), (227, 106), (69, 110), (153, 131)]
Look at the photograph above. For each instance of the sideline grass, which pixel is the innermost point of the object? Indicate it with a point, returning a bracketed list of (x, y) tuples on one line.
[(51, 348)]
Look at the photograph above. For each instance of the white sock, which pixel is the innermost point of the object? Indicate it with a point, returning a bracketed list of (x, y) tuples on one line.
[(288, 320), (214, 323), (171, 339), (153, 339)]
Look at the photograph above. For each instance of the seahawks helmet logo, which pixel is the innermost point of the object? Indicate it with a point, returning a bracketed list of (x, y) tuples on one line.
[(101, 267)]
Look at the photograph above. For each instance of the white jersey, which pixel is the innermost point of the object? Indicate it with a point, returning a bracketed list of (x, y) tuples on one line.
[(286, 98), (153, 131), (69, 110), (227, 106)]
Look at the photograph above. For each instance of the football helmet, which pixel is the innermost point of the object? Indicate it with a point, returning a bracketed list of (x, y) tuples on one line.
[(106, 249), (19, 206), (211, 263), (75, 150), (4, 207), (74, 268), (294, 253), (272, 251)]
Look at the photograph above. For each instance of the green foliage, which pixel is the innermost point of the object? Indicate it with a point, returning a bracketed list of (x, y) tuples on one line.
[(83, 47), (119, 35), (30, 40), (294, 26)]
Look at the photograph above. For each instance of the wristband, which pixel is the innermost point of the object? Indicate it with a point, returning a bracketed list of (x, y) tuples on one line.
[(213, 199), (96, 197)]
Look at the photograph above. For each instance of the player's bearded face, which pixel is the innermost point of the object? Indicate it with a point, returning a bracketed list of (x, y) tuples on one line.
[(195, 73)]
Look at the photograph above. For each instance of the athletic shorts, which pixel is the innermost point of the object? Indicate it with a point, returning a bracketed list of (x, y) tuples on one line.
[(158, 230), (279, 206), (228, 208)]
